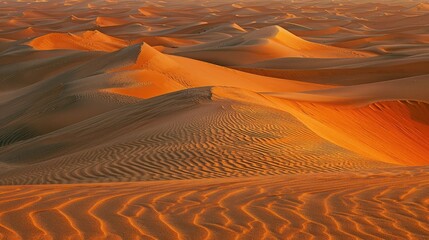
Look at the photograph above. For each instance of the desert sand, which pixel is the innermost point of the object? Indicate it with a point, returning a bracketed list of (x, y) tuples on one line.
[(214, 119)]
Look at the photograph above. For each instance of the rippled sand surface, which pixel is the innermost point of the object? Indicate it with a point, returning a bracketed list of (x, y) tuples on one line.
[(214, 120)]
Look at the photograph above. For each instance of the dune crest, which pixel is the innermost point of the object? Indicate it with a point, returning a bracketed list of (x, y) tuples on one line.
[(262, 44), (86, 41), (164, 73)]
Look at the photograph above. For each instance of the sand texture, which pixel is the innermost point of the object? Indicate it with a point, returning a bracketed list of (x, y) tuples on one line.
[(361, 205), (214, 119)]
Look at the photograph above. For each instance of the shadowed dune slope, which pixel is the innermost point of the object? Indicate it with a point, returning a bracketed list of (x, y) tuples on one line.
[(91, 84), (341, 72), (222, 132), (195, 133)]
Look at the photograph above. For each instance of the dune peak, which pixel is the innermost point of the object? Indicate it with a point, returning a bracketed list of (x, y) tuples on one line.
[(277, 34), (236, 26), (422, 6), (91, 40), (147, 57)]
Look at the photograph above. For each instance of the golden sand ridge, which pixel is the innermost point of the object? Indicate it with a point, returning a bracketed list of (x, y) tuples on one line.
[(214, 119)]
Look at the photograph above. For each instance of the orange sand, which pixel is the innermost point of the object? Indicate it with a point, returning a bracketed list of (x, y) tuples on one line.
[(363, 205), (214, 120)]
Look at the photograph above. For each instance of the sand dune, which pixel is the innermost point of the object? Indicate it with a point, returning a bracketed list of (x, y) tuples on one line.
[(265, 43), (411, 89), (420, 7), (214, 119), (381, 108), (71, 92), (389, 204), (382, 138), (222, 124), (384, 39), (89, 40), (109, 22), (340, 72), (153, 73)]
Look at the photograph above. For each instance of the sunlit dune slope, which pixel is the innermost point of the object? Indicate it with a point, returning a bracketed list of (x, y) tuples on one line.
[(172, 70), (138, 70), (93, 83), (146, 72), (388, 204), (393, 131), (88, 40), (387, 120)]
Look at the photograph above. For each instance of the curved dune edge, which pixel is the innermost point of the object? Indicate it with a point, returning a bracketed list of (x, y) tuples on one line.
[(384, 204), (87, 41), (263, 44), (395, 131), (223, 132), (164, 73), (410, 88), (208, 132), (389, 131)]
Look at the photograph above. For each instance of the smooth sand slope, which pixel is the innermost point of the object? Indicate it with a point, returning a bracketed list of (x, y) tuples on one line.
[(214, 120)]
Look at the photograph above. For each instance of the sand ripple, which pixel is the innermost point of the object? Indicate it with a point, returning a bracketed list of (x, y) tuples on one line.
[(375, 205)]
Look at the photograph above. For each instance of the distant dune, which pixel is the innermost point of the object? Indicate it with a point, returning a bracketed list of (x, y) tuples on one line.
[(89, 40), (262, 44), (214, 119)]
